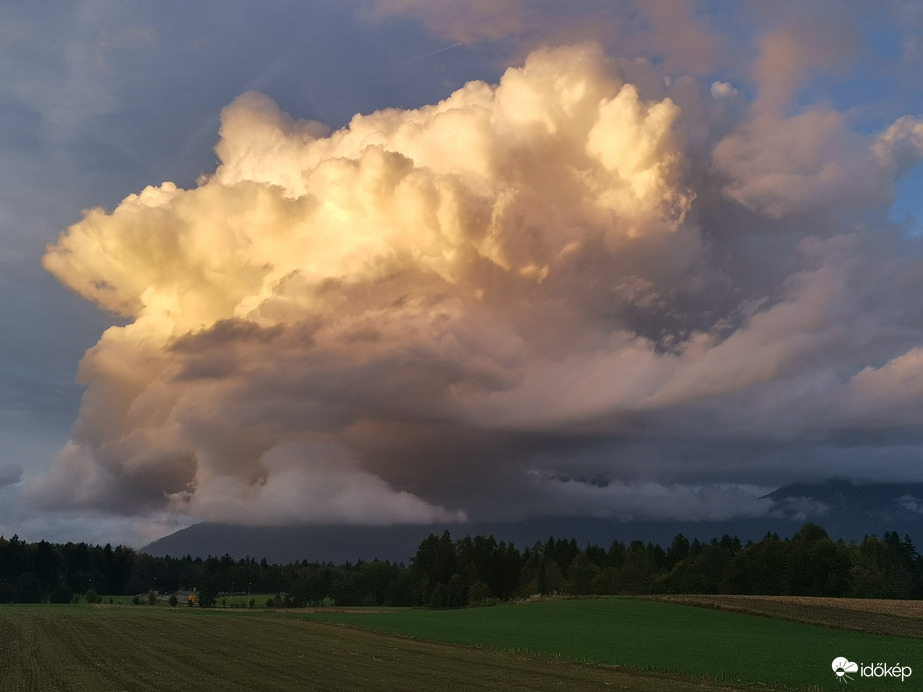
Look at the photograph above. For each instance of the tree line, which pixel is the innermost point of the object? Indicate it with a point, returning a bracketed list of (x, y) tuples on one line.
[(479, 570)]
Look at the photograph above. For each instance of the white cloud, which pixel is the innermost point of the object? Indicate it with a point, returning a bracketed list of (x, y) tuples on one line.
[(389, 322)]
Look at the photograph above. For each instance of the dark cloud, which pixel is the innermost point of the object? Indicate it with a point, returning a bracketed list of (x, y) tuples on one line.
[(10, 473)]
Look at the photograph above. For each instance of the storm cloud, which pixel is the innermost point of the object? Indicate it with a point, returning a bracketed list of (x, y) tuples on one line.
[(588, 288)]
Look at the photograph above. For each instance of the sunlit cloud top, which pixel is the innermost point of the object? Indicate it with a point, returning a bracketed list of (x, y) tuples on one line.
[(644, 266)]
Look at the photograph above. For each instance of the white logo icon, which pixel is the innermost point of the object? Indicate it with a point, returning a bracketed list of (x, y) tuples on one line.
[(842, 666)]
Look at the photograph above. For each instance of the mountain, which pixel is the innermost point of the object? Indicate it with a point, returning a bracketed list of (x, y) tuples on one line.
[(851, 511), (845, 510)]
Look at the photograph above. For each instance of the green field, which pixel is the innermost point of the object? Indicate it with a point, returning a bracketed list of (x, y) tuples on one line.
[(610, 643), (648, 635)]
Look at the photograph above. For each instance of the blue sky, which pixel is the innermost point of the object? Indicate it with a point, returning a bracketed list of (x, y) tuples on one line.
[(726, 298)]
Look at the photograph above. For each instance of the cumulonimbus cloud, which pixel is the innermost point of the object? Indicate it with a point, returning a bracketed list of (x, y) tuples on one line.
[(433, 312)]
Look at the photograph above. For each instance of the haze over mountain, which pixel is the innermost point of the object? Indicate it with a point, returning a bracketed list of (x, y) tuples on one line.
[(845, 510)]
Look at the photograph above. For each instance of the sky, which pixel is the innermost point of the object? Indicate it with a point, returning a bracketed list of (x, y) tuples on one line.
[(416, 261)]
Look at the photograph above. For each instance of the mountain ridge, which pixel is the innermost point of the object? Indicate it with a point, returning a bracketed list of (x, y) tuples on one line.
[(846, 511)]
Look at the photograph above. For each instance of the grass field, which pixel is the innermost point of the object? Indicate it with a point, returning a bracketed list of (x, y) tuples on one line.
[(607, 643), (101, 648), (651, 635)]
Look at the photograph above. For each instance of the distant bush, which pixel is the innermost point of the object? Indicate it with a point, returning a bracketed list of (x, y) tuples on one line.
[(151, 598), (6, 591), (208, 593), (270, 602), (92, 596), (173, 600), (478, 593), (60, 594), (136, 600)]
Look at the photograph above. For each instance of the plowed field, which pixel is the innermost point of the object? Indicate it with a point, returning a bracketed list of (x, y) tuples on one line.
[(876, 616), (80, 648)]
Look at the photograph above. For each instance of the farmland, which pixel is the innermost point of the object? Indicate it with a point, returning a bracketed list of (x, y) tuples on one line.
[(606, 643), (80, 647), (873, 615), (645, 634)]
